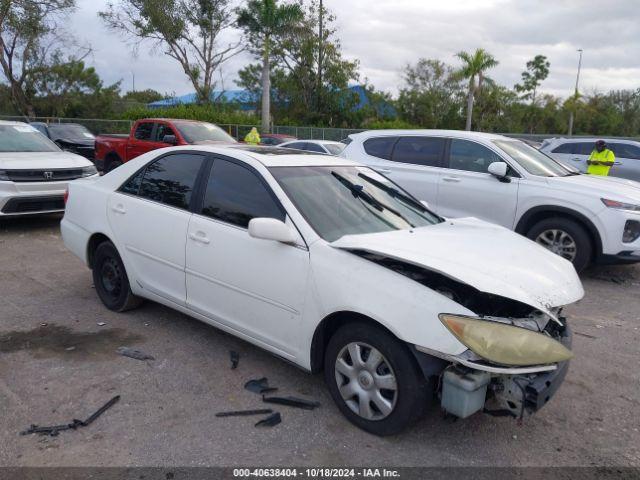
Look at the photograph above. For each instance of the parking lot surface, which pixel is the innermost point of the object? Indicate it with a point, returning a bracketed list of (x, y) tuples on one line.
[(57, 363)]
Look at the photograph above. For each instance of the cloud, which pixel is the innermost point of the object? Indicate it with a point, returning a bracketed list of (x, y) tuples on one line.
[(385, 36)]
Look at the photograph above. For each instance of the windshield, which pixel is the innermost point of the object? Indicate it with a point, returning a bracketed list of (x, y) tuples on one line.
[(71, 131), (334, 149), (24, 138), (532, 160), (338, 201), (196, 132)]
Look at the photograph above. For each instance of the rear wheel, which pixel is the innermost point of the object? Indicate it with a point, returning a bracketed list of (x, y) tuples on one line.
[(374, 379), (111, 281), (564, 237)]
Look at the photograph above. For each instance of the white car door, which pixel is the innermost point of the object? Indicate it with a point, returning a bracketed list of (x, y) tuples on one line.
[(468, 190), (254, 286), (627, 163), (413, 162), (149, 216)]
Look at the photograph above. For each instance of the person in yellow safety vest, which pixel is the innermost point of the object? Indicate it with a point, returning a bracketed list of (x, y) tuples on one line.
[(601, 160), (253, 137)]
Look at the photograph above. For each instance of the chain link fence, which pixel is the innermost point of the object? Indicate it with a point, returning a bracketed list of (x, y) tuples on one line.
[(99, 126)]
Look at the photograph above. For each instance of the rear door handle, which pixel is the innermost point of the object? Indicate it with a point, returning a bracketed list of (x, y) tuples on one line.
[(451, 179), (119, 209), (200, 237)]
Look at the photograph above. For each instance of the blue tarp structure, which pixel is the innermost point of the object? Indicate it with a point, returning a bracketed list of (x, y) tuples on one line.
[(246, 100)]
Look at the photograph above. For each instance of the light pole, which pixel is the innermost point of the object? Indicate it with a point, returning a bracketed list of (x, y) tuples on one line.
[(575, 96), (133, 80)]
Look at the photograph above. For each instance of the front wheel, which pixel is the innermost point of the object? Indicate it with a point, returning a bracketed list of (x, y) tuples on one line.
[(111, 281), (374, 380), (564, 237)]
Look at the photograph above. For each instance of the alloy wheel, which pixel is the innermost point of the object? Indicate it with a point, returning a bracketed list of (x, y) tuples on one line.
[(559, 242), (366, 381)]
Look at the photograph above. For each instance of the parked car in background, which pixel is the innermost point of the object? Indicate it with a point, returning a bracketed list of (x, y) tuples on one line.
[(273, 139), (502, 180), (34, 172), (317, 146), (576, 152), (71, 137), (329, 265), (153, 133)]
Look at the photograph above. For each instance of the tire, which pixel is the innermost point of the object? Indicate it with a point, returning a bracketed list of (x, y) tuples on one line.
[(111, 280), (407, 403), (112, 165), (556, 233)]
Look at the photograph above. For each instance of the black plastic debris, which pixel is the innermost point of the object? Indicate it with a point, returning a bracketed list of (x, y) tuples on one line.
[(133, 353), (235, 358), (292, 402), (270, 421), (259, 386), (245, 413), (56, 429)]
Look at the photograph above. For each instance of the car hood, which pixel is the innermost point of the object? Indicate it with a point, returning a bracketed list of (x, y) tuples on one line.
[(86, 142), (609, 187), (487, 257), (41, 160)]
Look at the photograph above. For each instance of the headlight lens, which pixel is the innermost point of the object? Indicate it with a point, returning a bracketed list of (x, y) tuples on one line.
[(620, 205), (505, 344), (88, 171)]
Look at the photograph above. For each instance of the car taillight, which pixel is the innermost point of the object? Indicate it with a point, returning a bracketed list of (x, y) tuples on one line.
[(65, 197)]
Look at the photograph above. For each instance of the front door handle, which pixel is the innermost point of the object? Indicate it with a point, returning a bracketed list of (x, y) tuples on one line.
[(576, 159), (451, 179), (200, 237), (119, 209)]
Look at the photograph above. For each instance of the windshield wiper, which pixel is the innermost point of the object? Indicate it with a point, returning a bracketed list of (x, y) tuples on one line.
[(394, 192), (358, 192)]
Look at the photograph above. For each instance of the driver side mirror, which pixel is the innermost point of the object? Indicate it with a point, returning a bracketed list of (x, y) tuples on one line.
[(170, 139), (271, 229), (499, 170)]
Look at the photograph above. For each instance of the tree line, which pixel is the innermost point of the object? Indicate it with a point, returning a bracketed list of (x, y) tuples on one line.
[(297, 61)]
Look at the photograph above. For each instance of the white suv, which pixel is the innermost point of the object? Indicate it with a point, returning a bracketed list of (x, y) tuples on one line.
[(34, 172), (583, 218)]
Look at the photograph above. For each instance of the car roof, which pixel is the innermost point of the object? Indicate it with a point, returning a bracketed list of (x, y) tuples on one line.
[(317, 142), (275, 156), (11, 122), (448, 133), (590, 139)]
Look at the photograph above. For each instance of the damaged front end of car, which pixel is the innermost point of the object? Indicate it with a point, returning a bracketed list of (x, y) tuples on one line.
[(517, 354)]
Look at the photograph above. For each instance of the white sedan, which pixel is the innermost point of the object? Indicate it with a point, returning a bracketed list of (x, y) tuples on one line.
[(327, 147), (331, 266)]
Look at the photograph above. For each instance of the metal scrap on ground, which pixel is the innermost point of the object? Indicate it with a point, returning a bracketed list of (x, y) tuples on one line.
[(133, 353), (235, 358), (244, 413), (270, 421), (292, 402), (55, 429), (259, 386)]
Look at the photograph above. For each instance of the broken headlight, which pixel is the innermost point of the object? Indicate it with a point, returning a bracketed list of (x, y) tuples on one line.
[(505, 344)]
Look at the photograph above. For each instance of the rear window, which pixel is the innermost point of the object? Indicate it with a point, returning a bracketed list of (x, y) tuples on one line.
[(426, 151), (380, 147)]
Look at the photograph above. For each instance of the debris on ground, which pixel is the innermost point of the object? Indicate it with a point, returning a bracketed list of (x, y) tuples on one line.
[(70, 349), (101, 324), (259, 386), (235, 358), (133, 353), (244, 413), (54, 430), (292, 402), (584, 334), (270, 421), (44, 324)]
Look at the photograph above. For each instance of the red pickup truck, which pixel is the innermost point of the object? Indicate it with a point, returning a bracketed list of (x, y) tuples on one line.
[(149, 134)]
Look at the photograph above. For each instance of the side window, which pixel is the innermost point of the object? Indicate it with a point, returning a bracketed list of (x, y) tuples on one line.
[(625, 150), (132, 186), (419, 151), (313, 147), (171, 179), (380, 147), (143, 131), (583, 148), (296, 145), (236, 195), (163, 130), (471, 156), (564, 148)]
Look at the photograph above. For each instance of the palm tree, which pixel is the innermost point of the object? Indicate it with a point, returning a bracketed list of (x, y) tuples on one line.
[(263, 21), (474, 65)]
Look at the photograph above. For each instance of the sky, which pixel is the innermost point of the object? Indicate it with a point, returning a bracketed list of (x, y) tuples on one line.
[(385, 36)]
